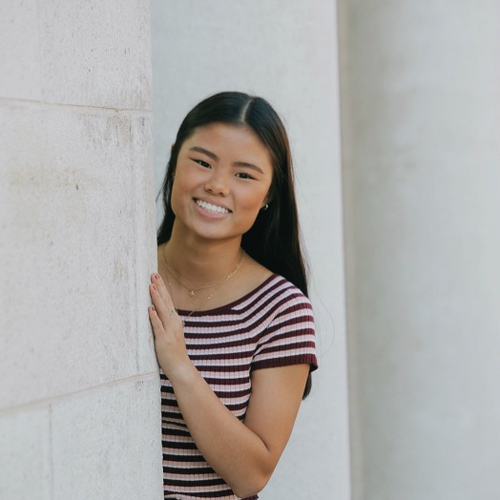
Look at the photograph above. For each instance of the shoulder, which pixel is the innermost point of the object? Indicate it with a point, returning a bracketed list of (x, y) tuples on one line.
[(289, 337), (274, 295), (255, 275), (274, 301), (289, 295), (282, 306)]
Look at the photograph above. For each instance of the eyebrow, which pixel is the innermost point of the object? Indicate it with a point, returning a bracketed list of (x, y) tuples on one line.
[(204, 151)]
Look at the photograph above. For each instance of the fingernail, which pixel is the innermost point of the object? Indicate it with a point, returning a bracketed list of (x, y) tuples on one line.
[(157, 276), (154, 287)]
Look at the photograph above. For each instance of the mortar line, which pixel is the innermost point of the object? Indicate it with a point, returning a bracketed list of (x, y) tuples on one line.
[(56, 105), (54, 399)]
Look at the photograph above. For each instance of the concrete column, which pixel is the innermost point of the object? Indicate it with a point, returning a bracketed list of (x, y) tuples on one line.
[(79, 391), (285, 51), (421, 125)]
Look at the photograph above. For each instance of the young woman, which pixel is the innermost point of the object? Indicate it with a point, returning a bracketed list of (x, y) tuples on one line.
[(234, 331)]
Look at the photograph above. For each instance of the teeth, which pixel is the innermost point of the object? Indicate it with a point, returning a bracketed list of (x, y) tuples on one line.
[(213, 209)]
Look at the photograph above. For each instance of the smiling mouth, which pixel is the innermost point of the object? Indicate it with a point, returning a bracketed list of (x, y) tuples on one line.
[(212, 209)]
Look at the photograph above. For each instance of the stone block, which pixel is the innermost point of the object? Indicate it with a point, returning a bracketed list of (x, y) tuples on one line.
[(19, 50), (96, 53), (142, 159), (25, 454), (107, 443), (68, 288)]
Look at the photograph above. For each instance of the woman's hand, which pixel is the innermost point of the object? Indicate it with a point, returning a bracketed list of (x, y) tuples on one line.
[(167, 327)]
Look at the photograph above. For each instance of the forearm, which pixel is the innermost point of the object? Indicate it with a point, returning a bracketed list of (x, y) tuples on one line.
[(233, 450)]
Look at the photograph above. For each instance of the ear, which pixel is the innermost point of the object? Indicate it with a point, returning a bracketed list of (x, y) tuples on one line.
[(267, 200)]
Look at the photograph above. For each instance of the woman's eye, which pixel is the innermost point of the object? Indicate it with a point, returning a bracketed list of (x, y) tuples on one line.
[(243, 175), (203, 163)]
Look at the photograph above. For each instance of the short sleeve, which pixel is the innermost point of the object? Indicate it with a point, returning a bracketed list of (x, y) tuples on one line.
[(289, 338)]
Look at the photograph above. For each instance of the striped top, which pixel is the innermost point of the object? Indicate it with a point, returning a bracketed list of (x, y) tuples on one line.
[(269, 327)]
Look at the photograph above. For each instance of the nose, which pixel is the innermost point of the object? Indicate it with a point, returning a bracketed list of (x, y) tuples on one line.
[(218, 183)]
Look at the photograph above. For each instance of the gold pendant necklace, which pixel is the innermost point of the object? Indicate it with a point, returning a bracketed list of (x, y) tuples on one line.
[(189, 289), (217, 285)]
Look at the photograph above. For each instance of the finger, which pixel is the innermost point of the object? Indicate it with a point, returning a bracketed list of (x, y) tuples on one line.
[(155, 321), (162, 288), (165, 309), (158, 302)]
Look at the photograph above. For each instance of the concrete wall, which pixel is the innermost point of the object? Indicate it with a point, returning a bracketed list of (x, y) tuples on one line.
[(421, 128), (286, 51), (79, 392)]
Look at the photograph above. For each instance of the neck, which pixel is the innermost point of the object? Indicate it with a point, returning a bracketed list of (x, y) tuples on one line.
[(201, 262)]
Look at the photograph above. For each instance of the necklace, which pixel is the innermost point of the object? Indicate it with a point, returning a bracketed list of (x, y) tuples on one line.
[(217, 285), (190, 290), (193, 290)]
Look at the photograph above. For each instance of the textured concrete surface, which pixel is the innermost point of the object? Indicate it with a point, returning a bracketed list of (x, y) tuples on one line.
[(25, 459), (79, 387), (105, 442), (422, 189), (19, 50), (145, 245), (69, 289), (96, 53), (286, 52)]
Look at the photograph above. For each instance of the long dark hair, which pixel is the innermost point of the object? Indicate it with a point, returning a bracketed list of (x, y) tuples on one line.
[(274, 238)]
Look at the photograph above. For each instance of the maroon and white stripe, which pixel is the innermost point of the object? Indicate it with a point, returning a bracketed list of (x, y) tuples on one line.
[(271, 326)]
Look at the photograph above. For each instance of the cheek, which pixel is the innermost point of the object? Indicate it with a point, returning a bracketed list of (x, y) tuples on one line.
[(175, 199), (254, 202), (180, 187)]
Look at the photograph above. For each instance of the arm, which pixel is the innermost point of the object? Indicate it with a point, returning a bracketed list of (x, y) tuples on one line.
[(244, 454)]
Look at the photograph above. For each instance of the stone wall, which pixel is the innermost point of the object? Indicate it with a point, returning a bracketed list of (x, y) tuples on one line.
[(79, 391), (421, 129)]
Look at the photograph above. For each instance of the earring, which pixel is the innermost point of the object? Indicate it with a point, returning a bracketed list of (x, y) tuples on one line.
[(265, 207)]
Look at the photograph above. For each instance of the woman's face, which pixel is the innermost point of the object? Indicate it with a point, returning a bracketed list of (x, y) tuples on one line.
[(222, 180)]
